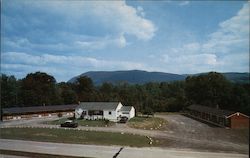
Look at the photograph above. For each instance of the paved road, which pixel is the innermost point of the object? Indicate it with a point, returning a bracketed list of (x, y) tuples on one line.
[(11, 156), (107, 151)]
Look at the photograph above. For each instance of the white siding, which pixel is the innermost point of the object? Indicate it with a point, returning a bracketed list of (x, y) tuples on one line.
[(129, 114), (112, 116), (78, 113), (132, 112), (126, 114)]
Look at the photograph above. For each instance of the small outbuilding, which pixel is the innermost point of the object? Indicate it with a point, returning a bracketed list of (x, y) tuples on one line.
[(238, 120), (219, 117), (112, 111), (127, 111)]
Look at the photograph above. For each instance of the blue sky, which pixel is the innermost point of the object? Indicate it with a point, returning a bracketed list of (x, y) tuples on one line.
[(67, 38)]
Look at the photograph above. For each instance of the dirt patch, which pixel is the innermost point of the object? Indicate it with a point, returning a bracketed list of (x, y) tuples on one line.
[(194, 134), (147, 123)]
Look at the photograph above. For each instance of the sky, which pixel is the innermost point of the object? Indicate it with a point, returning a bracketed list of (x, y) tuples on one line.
[(68, 38)]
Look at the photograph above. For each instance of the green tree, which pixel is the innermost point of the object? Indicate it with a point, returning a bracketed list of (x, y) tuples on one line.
[(39, 88), (9, 91), (208, 89), (67, 93), (85, 89), (239, 100), (106, 91)]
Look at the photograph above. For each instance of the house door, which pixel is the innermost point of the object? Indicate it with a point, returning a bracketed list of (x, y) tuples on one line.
[(84, 113)]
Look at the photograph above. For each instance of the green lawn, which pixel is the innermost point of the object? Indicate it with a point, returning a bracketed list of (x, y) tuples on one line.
[(149, 123), (90, 123), (75, 136)]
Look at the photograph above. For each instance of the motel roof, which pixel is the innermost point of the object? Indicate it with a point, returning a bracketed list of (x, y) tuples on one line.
[(37, 109), (214, 111), (98, 105)]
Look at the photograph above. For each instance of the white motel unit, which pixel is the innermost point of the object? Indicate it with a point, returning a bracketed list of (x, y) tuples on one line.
[(112, 111)]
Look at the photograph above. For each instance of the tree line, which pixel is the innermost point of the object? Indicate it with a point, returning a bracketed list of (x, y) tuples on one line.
[(212, 89)]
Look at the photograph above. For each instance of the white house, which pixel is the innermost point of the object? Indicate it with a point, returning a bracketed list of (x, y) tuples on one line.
[(112, 111)]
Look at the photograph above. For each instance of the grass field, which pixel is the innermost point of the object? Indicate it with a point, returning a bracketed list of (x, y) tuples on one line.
[(75, 136), (149, 123), (90, 123)]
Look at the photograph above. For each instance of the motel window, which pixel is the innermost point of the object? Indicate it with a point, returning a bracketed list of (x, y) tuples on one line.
[(109, 112)]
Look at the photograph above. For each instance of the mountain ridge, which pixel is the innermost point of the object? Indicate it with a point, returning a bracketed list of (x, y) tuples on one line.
[(142, 76)]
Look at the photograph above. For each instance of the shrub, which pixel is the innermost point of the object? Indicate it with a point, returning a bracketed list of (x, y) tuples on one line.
[(59, 114), (106, 122)]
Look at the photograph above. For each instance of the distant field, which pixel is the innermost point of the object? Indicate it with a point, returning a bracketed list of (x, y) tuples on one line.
[(90, 123), (75, 136), (148, 123)]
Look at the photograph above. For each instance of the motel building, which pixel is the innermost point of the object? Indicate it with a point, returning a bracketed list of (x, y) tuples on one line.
[(112, 111), (219, 117), (17, 113)]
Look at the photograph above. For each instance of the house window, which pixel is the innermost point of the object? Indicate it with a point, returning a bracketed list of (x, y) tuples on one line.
[(95, 112), (109, 112)]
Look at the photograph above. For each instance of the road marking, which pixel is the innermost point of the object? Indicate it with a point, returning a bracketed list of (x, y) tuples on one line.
[(116, 154)]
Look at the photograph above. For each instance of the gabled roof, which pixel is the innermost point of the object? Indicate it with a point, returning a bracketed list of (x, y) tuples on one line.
[(237, 113), (98, 105), (214, 111), (126, 108), (37, 109)]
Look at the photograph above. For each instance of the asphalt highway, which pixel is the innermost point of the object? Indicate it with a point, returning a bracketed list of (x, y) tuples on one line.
[(98, 151)]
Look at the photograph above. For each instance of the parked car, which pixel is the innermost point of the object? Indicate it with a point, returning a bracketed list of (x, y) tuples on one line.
[(123, 119), (69, 123)]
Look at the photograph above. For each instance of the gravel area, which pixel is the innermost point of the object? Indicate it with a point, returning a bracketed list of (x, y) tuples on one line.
[(195, 134)]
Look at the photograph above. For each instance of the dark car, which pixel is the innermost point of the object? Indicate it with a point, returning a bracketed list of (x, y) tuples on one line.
[(70, 124), (123, 119)]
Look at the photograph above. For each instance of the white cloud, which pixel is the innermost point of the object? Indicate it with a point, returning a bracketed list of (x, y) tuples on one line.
[(80, 44), (227, 49), (140, 11), (125, 19), (184, 3), (101, 43), (187, 62), (231, 35), (108, 22), (70, 65)]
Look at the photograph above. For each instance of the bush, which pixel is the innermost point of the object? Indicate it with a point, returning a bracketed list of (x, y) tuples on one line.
[(106, 122), (59, 114), (71, 118), (148, 111)]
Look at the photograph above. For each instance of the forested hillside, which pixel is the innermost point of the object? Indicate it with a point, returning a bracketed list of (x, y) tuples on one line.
[(142, 77), (209, 89)]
